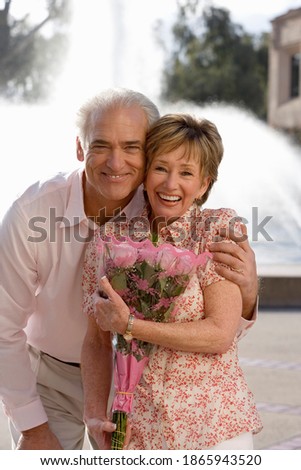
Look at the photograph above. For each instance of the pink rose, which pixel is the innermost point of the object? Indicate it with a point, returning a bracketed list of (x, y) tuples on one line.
[(167, 257), (149, 255), (185, 263), (123, 255)]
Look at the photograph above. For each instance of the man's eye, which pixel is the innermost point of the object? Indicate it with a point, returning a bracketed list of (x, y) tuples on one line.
[(132, 148), (99, 147)]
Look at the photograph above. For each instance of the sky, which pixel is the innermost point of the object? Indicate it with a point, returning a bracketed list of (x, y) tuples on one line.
[(120, 33), (255, 15)]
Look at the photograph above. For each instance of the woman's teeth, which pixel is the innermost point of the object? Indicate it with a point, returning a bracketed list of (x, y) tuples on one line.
[(165, 197)]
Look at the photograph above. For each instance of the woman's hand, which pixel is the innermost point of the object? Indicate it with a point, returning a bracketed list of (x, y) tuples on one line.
[(111, 313)]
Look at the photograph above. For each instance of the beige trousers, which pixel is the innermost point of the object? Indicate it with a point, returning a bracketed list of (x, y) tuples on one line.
[(60, 388)]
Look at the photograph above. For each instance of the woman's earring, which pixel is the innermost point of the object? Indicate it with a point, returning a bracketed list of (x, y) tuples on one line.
[(198, 201)]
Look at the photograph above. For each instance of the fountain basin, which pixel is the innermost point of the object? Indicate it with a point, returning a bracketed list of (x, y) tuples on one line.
[(280, 286)]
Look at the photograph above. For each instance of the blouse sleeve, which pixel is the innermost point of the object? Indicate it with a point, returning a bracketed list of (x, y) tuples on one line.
[(213, 222)]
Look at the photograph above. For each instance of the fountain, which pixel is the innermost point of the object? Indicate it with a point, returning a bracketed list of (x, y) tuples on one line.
[(261, 169)]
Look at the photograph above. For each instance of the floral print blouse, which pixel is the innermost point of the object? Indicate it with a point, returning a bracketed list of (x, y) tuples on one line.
[(186, 400)]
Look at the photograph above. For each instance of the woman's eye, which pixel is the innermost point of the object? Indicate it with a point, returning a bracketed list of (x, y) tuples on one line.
[(160, 168), (187, 173)]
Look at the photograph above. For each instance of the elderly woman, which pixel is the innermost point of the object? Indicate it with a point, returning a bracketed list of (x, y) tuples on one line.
[(192, 394)]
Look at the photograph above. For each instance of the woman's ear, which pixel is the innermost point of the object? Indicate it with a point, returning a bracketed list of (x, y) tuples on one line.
[(79, 150), (204, 186)]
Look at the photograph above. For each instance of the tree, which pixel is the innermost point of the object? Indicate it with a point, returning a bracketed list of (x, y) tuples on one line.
[(215, 60), (31, 56)]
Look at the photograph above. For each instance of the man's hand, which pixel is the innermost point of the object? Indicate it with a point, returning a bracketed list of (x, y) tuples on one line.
[(240, 258), (39, 438), (100, 430)]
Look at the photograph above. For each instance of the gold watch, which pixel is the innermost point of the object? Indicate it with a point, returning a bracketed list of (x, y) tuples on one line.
[(128, 332)]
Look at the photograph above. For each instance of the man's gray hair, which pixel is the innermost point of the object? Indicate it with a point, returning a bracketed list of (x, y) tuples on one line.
[(90, 111)]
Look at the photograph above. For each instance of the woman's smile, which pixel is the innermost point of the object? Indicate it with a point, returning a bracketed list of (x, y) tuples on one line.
[(172, 183)]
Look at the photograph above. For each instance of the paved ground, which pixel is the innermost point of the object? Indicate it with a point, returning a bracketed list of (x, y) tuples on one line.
[(271, 357)]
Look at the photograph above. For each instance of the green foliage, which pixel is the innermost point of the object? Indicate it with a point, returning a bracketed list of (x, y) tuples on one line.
[(32, 56), (215, 60)]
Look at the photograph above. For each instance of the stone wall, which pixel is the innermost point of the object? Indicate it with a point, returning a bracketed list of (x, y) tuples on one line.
[(280, 292), (283, 111)]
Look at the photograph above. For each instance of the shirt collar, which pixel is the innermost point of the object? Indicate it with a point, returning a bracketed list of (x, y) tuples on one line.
[(136, 205), (75, 210), (175, 231)]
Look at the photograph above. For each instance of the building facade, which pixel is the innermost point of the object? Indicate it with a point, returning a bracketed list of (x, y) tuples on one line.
[(284, 87)]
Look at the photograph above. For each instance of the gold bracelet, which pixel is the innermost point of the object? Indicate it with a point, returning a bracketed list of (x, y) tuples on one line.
[(128, 332)]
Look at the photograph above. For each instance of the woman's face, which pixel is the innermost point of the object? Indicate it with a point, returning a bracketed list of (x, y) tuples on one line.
[(172, 183)]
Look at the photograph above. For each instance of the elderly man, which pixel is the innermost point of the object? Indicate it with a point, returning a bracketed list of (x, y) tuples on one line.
[(43, 239)]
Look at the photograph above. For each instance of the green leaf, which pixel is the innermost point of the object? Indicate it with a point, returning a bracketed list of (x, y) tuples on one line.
[(148, 272), (145, 308), (163, 281), (119, 281), (154, 238)]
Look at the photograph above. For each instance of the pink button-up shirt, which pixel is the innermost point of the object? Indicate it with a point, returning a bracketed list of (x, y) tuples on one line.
[(43, 240)]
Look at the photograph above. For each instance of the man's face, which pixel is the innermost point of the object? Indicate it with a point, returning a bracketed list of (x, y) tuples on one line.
[(114, 159)]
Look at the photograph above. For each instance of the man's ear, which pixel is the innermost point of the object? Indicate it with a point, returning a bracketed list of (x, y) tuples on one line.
[(79, 150)]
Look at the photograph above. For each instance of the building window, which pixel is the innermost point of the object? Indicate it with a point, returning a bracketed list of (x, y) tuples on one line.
[(295, 75)]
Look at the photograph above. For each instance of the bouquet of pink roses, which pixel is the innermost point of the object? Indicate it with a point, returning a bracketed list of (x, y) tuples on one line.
[(149, 279)]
